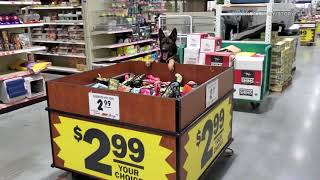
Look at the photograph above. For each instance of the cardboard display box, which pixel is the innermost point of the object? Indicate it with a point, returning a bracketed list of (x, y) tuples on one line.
[(172, 132), (131, 152), (191, 55), (148, 111), (194, 40), (219, 59), (210, 44)]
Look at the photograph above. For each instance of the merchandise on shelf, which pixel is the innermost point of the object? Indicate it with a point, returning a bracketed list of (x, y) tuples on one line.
[(13, 41), (12, 18), (31, 66)]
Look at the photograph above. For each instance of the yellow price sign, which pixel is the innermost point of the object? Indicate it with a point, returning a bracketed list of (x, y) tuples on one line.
[(207, 139), (110, 152), (307, 35)]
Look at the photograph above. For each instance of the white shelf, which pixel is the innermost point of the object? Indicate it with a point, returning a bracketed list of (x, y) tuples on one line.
[(19, 3), (125, 57), (60, 55), (63, 69), (64, 23), (11, 26), (55, 7), (59, 42), (122, 44), (31, 49), (102, 65), (98, 32)]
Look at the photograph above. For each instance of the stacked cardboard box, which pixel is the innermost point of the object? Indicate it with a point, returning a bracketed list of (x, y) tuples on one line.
[(283, 55), (274, 37), (201, 49), (248, 78)]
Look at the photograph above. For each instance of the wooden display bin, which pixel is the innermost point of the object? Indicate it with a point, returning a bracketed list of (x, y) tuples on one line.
[(152, 137)]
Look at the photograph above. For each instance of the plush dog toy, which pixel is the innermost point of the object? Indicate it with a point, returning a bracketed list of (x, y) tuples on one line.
[(168, 49)]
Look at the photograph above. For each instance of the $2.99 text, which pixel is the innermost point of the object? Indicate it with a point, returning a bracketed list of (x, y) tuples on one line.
[(106, 103), (213, 128), (118, 142)]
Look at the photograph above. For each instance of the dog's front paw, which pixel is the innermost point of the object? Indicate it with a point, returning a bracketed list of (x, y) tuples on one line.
[(171, 65), (148, 64)]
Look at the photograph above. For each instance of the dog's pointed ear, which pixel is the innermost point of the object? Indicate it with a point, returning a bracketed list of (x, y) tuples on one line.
[(174, 35), (161, 34)]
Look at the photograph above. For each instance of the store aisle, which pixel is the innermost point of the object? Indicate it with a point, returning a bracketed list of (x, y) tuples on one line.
[(282, 143), (278, 143)]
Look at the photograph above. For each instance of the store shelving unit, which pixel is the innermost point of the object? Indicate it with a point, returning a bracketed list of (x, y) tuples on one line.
[(101, 41), (14, 26), (21, 51), (59, 55), (62, 62), (63, 69), (7, 57), (19, 3), (59, 42), (55, 7), (122, 44), (121, 58)]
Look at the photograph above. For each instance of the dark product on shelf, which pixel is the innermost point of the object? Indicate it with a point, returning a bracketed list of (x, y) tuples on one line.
[(6, 19), (16, 41), (5, 38), (173, 90), (1, 44)]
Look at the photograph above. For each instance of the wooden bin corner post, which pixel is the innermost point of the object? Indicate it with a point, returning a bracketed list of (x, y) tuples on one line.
[(202, 143)]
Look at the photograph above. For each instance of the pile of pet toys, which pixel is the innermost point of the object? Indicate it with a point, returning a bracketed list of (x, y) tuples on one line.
[(146, 85)]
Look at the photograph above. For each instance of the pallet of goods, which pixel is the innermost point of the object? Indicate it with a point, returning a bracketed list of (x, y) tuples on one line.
[(123, 118), (283, 55)]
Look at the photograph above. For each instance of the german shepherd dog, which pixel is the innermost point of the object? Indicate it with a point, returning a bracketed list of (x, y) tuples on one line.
[(168, 49)]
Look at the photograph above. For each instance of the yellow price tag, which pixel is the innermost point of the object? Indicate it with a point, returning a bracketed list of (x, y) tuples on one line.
[(110, 152), (207, 139), (307, 35)]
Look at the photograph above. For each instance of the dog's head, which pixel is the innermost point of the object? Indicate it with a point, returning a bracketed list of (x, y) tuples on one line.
[(168, 46)]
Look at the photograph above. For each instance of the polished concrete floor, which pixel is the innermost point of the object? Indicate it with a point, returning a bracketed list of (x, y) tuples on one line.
[(277, 142)]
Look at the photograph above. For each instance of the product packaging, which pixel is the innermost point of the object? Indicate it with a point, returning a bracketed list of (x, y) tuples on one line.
[(191, 55)]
